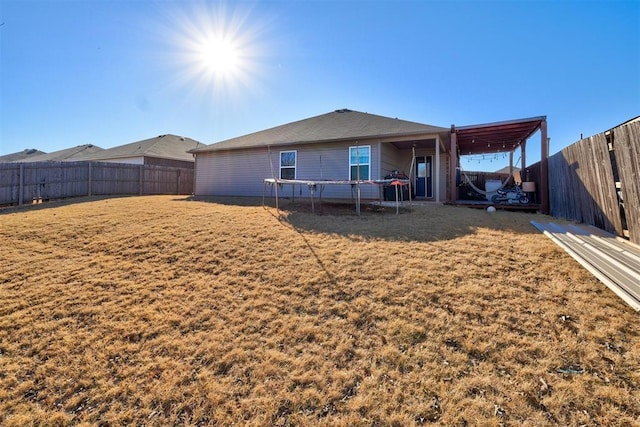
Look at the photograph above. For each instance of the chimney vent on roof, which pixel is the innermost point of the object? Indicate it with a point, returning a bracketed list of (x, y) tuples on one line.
[(344, 110)]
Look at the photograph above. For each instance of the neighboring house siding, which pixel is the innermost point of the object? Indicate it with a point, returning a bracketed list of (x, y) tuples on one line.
[(242, 172), (155, 161), (127, 160)]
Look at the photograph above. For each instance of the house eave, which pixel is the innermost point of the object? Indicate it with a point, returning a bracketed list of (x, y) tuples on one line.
[(362, 138)]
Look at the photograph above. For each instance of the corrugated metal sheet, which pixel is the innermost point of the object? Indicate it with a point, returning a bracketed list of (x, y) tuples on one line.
[(614, 261)]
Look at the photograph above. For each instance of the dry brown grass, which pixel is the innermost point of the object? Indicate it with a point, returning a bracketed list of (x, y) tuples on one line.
[(158, 311)]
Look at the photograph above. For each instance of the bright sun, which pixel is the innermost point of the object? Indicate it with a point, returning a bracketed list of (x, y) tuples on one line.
[(217, 47), (218, 55)]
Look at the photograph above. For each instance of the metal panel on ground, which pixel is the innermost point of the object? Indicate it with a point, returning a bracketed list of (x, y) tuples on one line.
[(613, 260)]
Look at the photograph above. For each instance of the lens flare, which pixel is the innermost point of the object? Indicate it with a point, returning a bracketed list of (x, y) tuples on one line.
[(219, 55), (215, 49)]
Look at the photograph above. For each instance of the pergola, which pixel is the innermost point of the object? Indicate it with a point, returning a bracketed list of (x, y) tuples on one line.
[(501, 137)]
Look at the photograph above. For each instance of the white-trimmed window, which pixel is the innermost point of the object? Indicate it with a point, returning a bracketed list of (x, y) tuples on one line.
[(288, 161), (359, 163)]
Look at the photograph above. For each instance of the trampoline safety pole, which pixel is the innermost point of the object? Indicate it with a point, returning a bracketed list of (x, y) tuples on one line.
[(275, 180), (397, 203)]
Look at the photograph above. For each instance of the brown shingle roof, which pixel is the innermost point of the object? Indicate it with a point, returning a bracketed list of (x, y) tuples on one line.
[(14, 157), (335, 126), (162, 146), (68, 154)]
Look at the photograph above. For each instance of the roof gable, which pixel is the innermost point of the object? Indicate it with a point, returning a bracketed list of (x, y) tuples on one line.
[(68, 154), (27, 153), (335, 126), (162, 146)]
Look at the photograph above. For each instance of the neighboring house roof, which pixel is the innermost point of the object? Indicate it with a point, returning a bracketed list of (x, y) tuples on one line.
[(506, 169), (163, 146), (635, 119), (68, 154), (14, 157), (338, 125)]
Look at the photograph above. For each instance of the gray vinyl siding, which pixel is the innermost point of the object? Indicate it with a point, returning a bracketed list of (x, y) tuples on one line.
[(242, 172), (391, 159), (401, 160), (233, 173)]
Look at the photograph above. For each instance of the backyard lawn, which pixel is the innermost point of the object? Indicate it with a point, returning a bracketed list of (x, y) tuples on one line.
[(165, 310)]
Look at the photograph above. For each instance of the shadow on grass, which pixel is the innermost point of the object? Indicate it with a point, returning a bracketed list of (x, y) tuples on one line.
[(428, 222), (422, 222), (9, 209)]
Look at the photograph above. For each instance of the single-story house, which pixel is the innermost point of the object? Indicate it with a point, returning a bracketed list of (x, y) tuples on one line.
[(65, 155), (343, 145), (351, 146), (20, 155), (162, 150)]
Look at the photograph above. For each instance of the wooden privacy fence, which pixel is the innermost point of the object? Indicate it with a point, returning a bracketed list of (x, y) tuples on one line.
[(25, 182), (596, 181)]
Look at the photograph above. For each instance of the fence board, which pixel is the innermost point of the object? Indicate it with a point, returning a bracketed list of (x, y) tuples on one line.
[(627, 153), (581, 185), (58, 180)]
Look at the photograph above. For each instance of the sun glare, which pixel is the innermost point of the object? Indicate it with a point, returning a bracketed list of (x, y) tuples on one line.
[(217, 49), (219, 55)]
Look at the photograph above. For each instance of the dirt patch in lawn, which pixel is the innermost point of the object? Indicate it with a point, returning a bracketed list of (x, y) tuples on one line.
[(163, 310)]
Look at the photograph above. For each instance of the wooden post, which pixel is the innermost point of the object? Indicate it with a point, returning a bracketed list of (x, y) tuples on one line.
[(21, 186), (523, 157), (141, 179), (544, 168), (453, 165), (437, 180), (511, 163), (89, 181)]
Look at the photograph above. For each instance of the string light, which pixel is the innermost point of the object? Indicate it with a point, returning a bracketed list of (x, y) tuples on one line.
[(480, 157)]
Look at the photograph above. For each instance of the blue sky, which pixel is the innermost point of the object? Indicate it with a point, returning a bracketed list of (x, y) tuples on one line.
[(113, 72)]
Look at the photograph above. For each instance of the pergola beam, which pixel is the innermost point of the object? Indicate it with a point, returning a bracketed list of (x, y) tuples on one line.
[(499, 137), (453, 166)]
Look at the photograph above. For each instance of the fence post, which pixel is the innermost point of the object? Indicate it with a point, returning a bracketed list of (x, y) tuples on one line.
[(21, 185), (89, 183), (141, 179), (544, 169)]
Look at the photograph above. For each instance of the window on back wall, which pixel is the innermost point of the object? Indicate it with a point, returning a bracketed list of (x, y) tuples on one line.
[(359, 160), (288, 164)]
